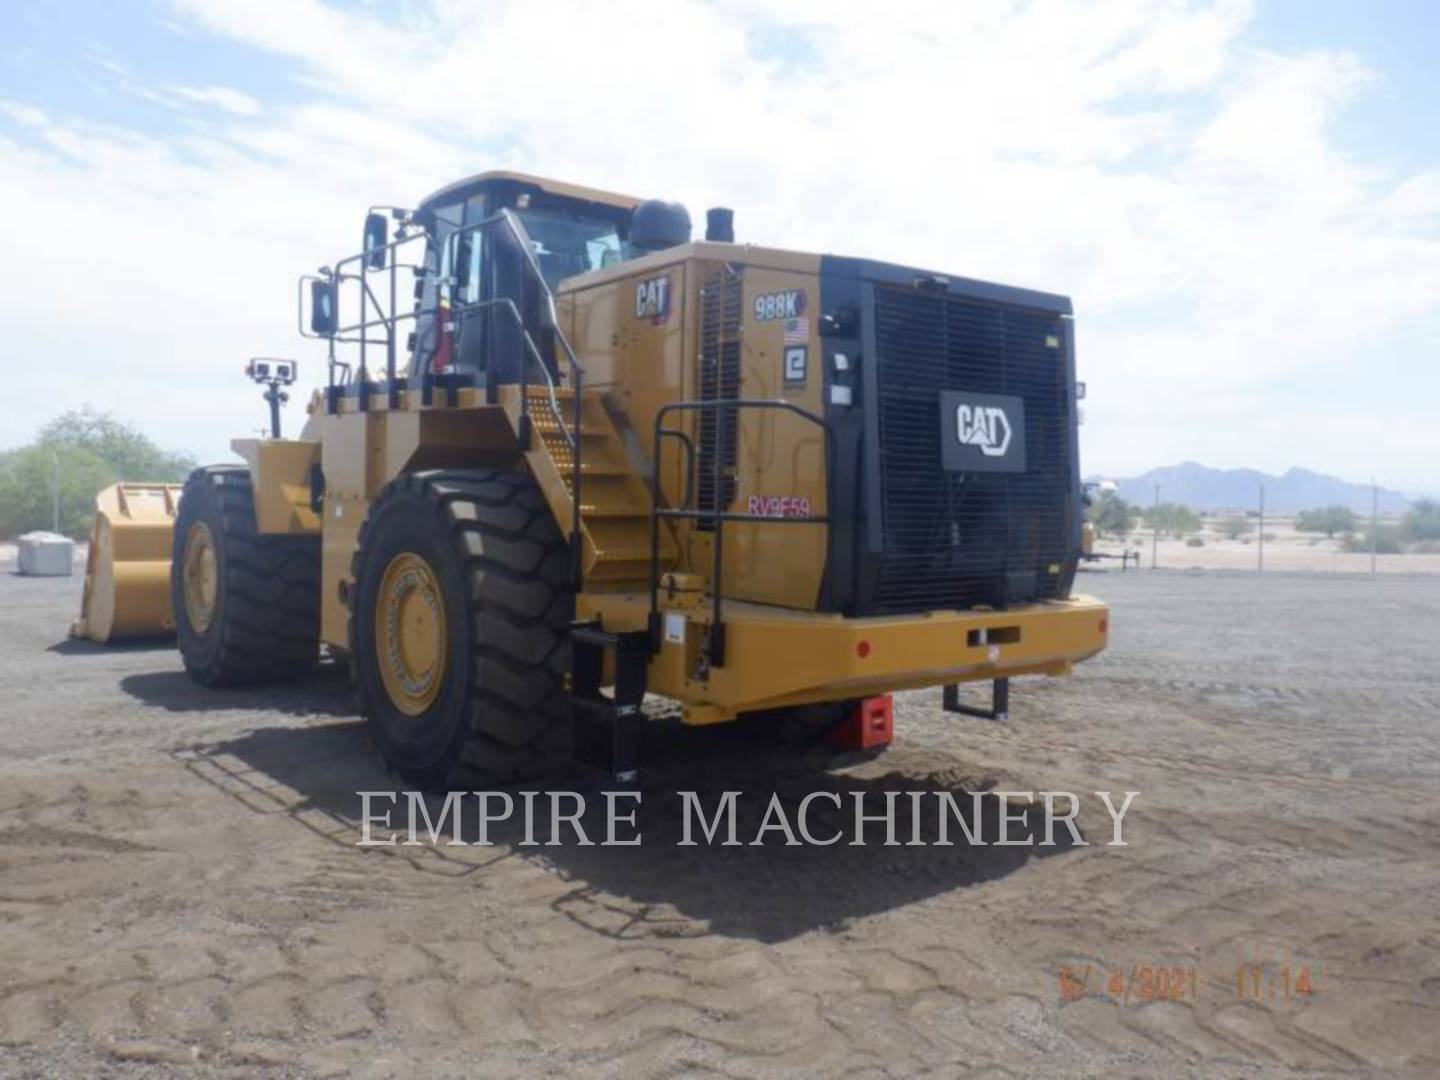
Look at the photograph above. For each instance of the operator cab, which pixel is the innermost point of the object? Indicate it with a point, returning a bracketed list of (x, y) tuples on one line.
[(573, 231)]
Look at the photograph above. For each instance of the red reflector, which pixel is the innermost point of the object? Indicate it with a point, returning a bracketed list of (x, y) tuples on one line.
[(1104, 626), (870, 722), (862, 650)]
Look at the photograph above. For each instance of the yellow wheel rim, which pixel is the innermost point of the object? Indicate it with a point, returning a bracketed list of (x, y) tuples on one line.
[(410, 637), (202, 576)]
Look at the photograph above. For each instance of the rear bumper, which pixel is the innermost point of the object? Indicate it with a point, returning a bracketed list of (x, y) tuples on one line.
[(777, 658)]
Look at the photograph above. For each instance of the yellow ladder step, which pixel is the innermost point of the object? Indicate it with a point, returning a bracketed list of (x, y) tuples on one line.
[(622, 555), (548, 428), (614, 511)]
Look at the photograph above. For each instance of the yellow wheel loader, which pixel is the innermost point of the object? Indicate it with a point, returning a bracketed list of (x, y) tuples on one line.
[(566, 455)]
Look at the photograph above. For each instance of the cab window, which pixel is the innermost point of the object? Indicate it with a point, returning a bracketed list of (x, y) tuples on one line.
[(568, 241)]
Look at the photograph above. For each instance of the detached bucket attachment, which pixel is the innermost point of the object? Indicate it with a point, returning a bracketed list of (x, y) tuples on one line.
[(127, 572)]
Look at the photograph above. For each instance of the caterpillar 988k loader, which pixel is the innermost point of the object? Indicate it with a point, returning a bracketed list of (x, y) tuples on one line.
[(587, 452)]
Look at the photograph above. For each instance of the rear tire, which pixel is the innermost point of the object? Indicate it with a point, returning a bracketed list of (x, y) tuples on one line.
[(246, 606), (460, 629)]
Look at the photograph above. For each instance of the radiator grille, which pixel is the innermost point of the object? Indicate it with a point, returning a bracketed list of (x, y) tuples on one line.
[(955, 540), (720, 298)]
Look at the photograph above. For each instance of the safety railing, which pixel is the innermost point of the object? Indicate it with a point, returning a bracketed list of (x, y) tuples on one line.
[(359, 333), (382, 330), (724, 412), (549, 320)]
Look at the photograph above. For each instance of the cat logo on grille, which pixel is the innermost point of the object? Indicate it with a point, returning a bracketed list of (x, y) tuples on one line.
[(982, 433), (985, 427)]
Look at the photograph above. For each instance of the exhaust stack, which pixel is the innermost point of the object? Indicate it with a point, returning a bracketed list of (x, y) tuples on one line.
[(720, 225)]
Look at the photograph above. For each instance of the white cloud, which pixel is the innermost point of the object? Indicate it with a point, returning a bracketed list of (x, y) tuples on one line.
[(1144, 157), (25, 115), (221, 97)]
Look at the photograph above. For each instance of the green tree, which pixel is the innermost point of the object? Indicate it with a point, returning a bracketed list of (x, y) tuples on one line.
[(1330, 520), (90, 451), (1422, 521), (125, 450), (1111, 514), (1232, 527), (1172, 518)]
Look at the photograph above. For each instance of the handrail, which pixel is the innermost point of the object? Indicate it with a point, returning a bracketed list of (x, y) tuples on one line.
[(516, 229), (551, 320), (337, 276), (367, 296), (715, 514), (507, 305)]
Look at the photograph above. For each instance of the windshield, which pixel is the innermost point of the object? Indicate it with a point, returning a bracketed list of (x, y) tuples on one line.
[(569, 242)]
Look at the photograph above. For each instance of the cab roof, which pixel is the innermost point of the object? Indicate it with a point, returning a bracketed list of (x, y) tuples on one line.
[(552, 187)]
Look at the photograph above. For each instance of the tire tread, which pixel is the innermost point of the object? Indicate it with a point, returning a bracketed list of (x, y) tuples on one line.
[(270, 618), (515, 566)]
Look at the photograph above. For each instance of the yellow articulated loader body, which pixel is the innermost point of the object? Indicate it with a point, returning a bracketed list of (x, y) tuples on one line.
[(584, 457)]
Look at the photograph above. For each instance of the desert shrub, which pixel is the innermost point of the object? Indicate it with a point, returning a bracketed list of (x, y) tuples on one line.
[(1231, 528), (1422, 521), (1387, 540), (1194, 541)]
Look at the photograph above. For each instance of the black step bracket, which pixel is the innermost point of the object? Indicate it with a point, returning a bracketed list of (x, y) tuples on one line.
[(998, 711), (607, 730)]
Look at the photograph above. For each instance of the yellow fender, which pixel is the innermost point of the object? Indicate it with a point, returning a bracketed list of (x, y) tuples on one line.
[(127, 572)]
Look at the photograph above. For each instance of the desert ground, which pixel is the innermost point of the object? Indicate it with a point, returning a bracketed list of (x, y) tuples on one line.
[(181, 890), (1285, 548)]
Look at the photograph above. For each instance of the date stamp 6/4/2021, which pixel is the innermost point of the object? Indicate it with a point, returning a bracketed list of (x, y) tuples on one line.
[(1259, 982)]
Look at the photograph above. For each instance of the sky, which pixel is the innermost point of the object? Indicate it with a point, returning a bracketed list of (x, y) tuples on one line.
[(1242, 199)]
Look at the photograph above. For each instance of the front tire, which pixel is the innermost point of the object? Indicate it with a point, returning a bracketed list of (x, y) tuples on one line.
[(246, 606), (459, 627)]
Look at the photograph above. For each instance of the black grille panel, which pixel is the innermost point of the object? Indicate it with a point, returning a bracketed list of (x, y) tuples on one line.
[(957, 540), (719, 379)]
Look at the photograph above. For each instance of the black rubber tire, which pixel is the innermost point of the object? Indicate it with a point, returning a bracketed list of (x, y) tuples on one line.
[(266, 622), (503, 712)]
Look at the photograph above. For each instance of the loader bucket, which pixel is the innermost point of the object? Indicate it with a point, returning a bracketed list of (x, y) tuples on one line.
[(127, 572)]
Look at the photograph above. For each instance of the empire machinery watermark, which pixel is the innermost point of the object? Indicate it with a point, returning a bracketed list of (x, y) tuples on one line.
[(819, 819)]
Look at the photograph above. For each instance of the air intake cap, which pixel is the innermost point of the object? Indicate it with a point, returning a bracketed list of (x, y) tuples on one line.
[(656, 225)]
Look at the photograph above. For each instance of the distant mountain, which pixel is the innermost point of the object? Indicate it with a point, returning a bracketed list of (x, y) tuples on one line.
[(1205, 489)]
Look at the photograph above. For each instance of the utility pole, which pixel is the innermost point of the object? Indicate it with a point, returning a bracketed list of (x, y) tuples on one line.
[(1155, 528), (1260, 569), (1374, 522), (55, 490)]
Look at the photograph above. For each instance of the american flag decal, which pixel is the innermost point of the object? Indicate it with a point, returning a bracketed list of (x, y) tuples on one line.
[(797, 332)]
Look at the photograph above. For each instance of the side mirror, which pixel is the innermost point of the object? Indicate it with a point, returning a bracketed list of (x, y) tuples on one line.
[(323, 320), (377, 235)]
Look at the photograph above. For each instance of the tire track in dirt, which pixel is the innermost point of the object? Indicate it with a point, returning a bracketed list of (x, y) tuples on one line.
[(186, 889)]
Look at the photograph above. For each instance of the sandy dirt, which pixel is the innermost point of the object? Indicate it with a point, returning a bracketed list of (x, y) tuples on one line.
[(180, 888)]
